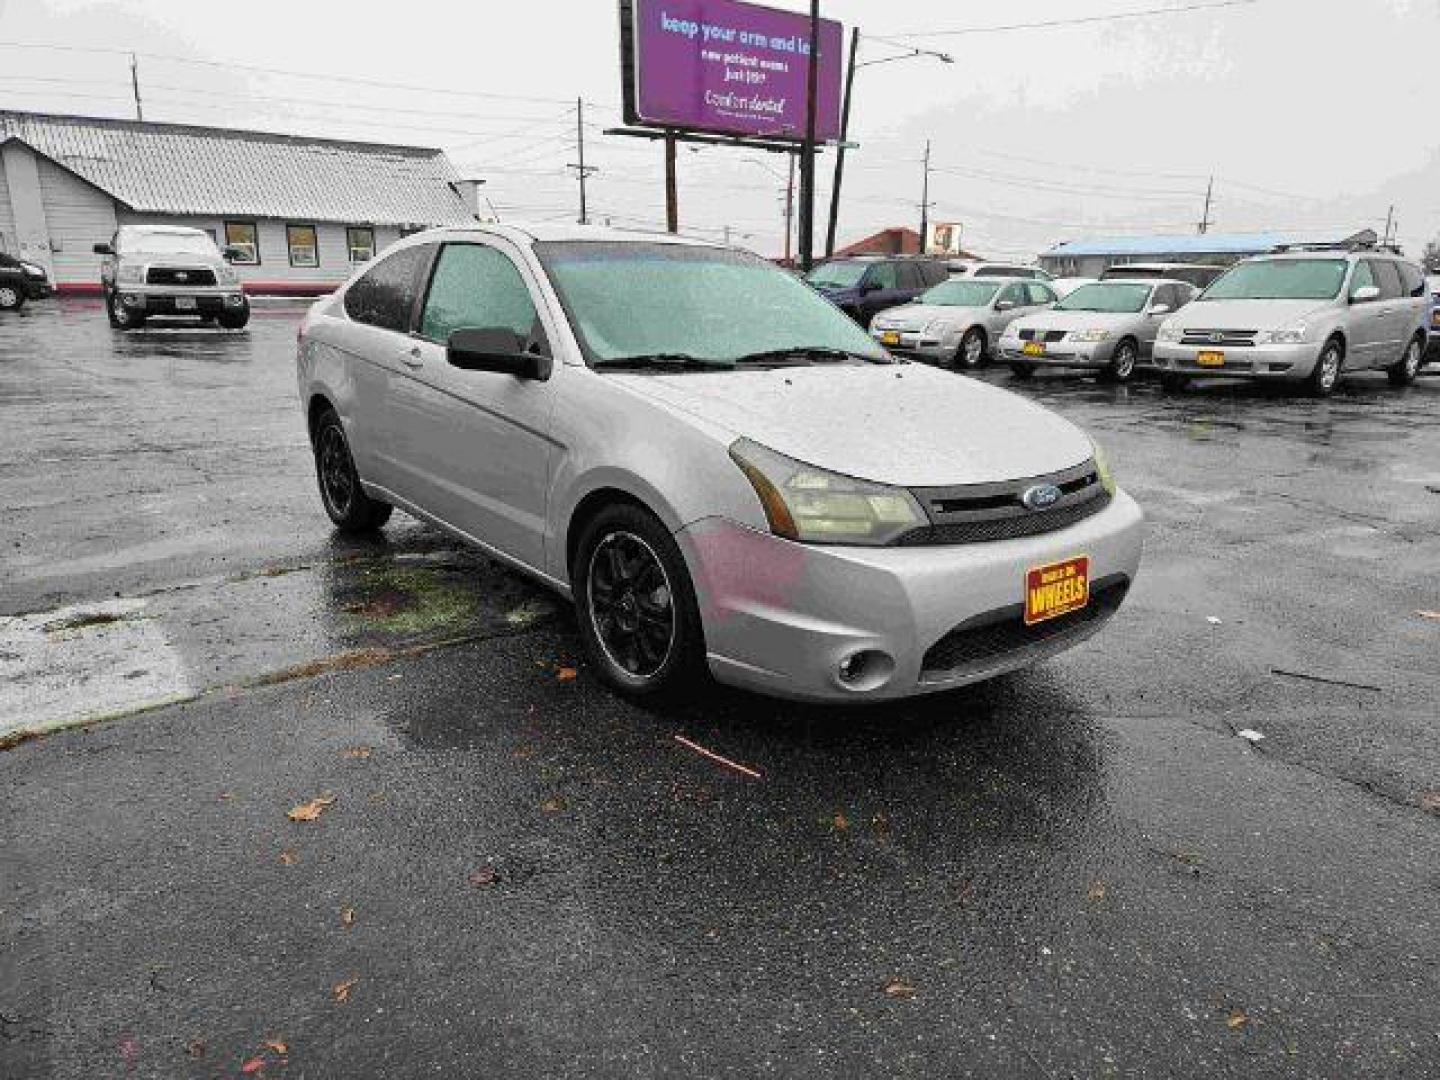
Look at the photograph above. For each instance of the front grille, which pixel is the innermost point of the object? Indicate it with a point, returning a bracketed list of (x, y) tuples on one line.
[(171, 275), (979, 513), (996, 634), (1050, 337), (1221, 339)]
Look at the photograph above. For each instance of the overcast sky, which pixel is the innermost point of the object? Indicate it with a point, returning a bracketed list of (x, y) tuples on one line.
[(1310, 113)]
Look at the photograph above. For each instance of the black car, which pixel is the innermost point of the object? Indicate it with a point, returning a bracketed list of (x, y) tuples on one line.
[(21, 281), (861, 285)]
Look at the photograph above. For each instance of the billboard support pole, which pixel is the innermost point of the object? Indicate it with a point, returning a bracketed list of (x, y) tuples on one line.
[(840, 149), (672, 194), (790, 212), (807, 149)]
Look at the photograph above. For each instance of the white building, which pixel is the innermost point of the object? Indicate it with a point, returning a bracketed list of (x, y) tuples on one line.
[(305, 211)]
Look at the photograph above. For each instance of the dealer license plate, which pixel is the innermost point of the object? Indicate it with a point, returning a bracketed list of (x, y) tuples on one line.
[(1056, 589), (184, 303), (1033, 348), (890, 337), (1210, 358)]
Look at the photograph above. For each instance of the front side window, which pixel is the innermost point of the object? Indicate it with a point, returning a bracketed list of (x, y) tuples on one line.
[(641, 299), (360, 242), (303, 245), (1110, 297), (961, 292), (384, 296), (1279, 279), (474, 287), (244, 237), (1363, 278)]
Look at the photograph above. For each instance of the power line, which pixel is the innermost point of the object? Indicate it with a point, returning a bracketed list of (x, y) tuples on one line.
[(1050, 24)]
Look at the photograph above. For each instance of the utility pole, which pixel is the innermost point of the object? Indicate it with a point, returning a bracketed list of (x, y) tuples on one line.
[(807, 151), (135, 85), (790, 211), (925, 200), (1205, 217), (1389, 221), (582, 170), (672, 193), (840, 149)]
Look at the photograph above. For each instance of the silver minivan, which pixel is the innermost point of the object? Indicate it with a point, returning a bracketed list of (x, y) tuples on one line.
[(1301, 317), (724, 473)]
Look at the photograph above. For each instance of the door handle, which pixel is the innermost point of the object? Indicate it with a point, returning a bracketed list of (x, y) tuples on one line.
[(413, 359), (1384, 313)]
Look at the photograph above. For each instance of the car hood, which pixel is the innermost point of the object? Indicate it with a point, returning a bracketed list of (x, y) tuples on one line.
[(917, 315), (174, 258), (1244, 314), (903, 424), (1078, 320)]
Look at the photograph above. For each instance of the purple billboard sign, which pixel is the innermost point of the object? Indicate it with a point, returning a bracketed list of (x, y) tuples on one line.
[(730, 68)]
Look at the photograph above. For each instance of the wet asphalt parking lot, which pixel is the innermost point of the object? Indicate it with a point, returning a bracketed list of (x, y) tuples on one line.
[(1083, 870)]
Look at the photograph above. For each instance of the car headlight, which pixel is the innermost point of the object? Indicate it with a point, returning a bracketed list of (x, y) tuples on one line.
[(1102, 468), (937, 328), (1291, 335), (1091, 335), (128, 274), (226, 275), (815, 506), (1170, 333), (31, 270)]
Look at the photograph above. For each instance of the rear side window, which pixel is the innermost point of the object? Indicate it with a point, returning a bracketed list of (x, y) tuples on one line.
[(1387, 276), (476, 286), (909, 274), (935, 273), (1412, 281), (385, 295), (884, 276)]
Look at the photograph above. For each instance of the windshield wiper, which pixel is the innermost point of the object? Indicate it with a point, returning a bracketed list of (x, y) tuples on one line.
[(806, 354), (673, 361)]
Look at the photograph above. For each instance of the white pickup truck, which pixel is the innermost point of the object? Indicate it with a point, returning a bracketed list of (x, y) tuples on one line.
[(169, 271)]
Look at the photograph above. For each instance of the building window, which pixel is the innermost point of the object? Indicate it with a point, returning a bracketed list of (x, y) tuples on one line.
[(304, 249), (244, 237), (360, 239)]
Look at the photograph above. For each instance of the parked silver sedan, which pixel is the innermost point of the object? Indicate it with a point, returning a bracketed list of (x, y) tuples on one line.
[(959, 321), (719, 468), (1108, 327)]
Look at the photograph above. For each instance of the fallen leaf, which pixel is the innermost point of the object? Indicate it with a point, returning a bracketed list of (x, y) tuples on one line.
[(288, 858), (195, 1048), (359, 753), (899, 989), (347, 920), (277, 1044), (1237, 1019), (553, 806), (311, 810), (484, 877), (1097, 891), (342, 990), (840, 821), (1430, 801), (254, 1065), (565, 674)]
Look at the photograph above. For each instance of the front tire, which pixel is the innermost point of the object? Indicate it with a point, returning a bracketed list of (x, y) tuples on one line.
[(344, 499), (235, 320), (971, 353), (1122, 364), (1326, 374), (636, 605), (1403, 373), (121, 317)]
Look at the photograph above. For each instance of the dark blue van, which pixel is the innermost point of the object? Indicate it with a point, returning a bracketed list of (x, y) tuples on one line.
[(862, 285)]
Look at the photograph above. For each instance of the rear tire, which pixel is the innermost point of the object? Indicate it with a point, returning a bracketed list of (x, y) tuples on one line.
[(1403, 373), (636, 606), (1122, 364), (344, 499), (971, 353), (235, 320), (1326, 374), (121, 317)]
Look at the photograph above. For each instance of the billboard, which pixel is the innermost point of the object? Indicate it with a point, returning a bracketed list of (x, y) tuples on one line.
[(726, 68), (944, 238)]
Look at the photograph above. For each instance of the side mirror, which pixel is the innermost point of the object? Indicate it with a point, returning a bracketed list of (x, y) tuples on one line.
[(103, 249), (1160, 309), (494, 348), (1004, 305), (1365, 294), (232, 254)]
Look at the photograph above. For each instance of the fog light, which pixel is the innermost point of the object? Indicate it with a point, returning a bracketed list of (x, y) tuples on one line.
[(867, 669)]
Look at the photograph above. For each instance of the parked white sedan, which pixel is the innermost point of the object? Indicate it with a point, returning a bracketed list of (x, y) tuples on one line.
[(721, 470), (961, 320)]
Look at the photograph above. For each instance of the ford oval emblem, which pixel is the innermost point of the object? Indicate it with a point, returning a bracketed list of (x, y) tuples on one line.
[(1041, 497)]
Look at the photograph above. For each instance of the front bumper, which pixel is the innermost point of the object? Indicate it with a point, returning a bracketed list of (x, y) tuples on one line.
[(917, 343), (169, 301), (781, 618), (1061, 354), (38, 289), (1266, 362)]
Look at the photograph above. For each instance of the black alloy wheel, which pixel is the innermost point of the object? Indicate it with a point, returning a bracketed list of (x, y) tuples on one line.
[(344, 499), (1326, 374), (1122, 364), (1403, 373)]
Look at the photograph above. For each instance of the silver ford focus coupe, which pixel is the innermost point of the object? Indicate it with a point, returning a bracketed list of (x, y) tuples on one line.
[(723, 472)]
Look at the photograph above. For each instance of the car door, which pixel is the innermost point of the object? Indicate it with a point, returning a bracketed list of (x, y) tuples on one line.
[(1394, 313), (475, 445), (1017, 296), (1367, 318)]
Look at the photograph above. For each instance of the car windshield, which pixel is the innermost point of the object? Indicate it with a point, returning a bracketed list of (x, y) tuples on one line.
[(1117, 298), (838, 275), (961, 293), (629, 301), (1280, 279), (167, 244)]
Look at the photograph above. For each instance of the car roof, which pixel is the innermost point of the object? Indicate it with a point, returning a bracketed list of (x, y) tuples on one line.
[(164, 230), (558, 232)]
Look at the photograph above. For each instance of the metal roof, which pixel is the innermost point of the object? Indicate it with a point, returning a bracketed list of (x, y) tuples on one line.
[(217, 172), (1198, 244)]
